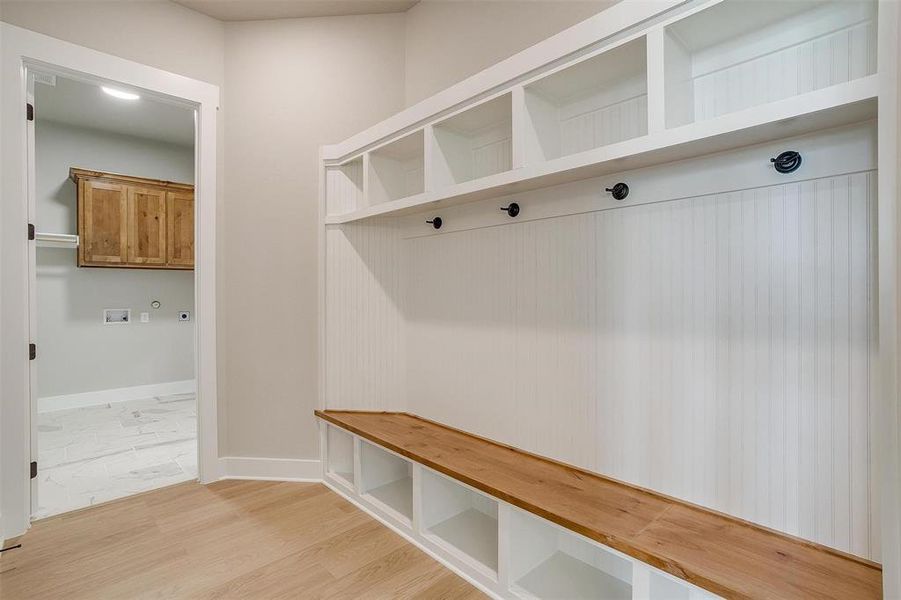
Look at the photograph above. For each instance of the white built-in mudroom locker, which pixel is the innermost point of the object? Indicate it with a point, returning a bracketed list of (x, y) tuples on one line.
[(616, 317)]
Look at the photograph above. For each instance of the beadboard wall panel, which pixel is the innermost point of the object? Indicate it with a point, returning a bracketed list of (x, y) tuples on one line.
[(609, 124), (717, 348), (492, 152), (414, 177), (363, 318), (466, 339)]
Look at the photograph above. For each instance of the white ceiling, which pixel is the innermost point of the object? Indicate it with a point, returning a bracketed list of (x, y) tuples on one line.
[(253, 10), (86, 105)]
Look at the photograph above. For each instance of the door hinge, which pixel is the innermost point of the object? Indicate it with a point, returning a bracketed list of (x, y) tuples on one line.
[(30, 231), (32, 351), (29, 111), (34, 469)]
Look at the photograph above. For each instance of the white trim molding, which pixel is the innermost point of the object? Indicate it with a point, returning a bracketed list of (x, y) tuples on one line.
[(20, 50), (887, 462), (111, 396), (271, 469)]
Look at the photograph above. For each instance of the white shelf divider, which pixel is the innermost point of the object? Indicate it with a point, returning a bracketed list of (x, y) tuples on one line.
[(340, 456), (655, 40), (358, 466)]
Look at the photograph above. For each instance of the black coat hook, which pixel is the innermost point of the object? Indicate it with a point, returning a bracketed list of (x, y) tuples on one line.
[(787, 162), (436, 222), (619, 191), (511, 210)]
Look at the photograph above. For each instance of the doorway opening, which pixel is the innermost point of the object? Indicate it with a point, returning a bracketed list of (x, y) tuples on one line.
[(114, 408)]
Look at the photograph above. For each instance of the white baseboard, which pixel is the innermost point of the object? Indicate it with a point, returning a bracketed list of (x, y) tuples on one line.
[(271, 469), (138, 392)]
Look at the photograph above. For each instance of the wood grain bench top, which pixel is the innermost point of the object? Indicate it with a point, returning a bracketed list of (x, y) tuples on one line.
[(720, 553)]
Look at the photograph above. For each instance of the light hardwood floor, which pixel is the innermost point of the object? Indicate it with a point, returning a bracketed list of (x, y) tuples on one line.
[(232, 539)]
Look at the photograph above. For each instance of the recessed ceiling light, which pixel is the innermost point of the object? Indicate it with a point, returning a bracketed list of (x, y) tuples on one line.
[(119, 93)]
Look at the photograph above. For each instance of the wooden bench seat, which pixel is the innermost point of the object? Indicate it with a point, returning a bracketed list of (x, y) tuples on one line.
[(725, 555)]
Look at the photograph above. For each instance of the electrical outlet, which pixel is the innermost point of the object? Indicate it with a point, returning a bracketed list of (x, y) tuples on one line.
[(184, 315), (145, 317)]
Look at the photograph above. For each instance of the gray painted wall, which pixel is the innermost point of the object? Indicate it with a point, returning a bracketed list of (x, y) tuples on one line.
[(78, 353)]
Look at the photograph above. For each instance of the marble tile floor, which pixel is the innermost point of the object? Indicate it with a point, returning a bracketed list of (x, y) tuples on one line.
[(98, 453)]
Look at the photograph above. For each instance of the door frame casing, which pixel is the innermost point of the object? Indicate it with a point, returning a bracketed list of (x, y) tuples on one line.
[(19, 50)]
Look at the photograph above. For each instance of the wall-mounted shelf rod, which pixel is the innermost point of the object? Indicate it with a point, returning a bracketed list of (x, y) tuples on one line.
[(56, 240)]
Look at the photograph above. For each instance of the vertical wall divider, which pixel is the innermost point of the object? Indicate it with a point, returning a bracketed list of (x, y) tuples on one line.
[(358, 470), (323, 444), (656, 72), (417, 500), (503, 545), (366, 184), (641, 581), (518, 97), (428, 150)]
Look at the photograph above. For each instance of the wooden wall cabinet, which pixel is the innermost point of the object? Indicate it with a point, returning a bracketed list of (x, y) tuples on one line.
[(133, 222)]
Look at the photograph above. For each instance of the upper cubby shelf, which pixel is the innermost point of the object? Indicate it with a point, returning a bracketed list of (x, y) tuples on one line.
[(396, 169), (473, 144), (736, 55), (593, 103), (688, 79)]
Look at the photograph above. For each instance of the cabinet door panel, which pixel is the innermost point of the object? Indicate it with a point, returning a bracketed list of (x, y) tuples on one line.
[(146, 226), (104, 224), (181, 229)]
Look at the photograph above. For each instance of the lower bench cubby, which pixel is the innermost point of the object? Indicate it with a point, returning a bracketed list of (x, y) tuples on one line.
[(548, 562), (387, 480), (456, 516), (340, 455)]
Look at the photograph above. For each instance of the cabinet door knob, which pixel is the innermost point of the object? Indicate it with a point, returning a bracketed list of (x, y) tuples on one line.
[(436, 222)]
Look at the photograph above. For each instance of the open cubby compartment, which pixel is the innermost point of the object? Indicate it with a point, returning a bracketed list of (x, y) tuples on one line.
[(595, 102), (475, 143), (340, 455), (547, 561), (462, 519), (396, 169), (344, 187), (736, 54), (387, 480)]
